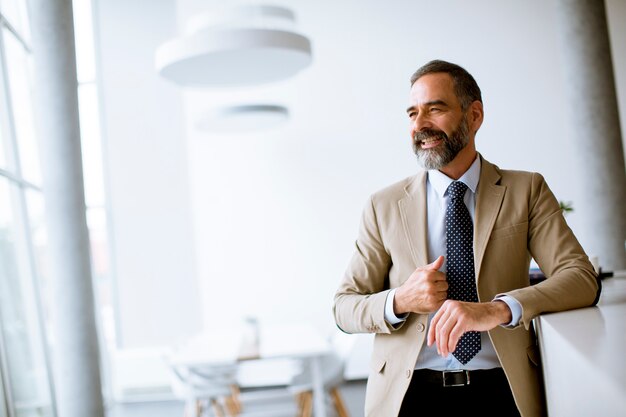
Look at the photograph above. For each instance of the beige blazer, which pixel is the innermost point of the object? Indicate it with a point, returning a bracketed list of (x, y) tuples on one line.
[(516, 217)]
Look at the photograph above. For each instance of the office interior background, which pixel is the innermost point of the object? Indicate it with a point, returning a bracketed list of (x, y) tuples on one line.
[(193, 229)]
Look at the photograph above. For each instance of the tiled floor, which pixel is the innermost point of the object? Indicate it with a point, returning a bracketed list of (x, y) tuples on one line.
[(353, 393)]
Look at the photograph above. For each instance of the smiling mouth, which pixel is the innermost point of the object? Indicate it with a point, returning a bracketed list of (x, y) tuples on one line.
[(430, 142), (429, 138)]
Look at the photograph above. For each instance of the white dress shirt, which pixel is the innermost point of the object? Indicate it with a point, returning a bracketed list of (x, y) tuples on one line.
[(437, 200)]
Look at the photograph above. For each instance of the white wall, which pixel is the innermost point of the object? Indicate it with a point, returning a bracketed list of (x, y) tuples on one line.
[(274, 214), (148, 193)]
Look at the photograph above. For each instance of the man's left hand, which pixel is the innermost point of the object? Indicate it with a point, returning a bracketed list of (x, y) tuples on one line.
[(457, 317)]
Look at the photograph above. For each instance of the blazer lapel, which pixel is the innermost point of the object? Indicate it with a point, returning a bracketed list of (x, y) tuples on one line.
[(413, 212), (489, 197)]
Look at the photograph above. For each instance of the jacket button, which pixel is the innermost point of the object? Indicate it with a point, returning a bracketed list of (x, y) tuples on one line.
[(420, 327), (408, 373)]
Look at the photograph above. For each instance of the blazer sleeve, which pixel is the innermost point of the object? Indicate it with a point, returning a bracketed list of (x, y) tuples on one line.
[(359, 304), (571, 280)]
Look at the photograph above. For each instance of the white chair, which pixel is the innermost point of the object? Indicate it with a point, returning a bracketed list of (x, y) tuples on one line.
[(215, 391), (244, 388), (264, 387), (332, 366), (207, 391)]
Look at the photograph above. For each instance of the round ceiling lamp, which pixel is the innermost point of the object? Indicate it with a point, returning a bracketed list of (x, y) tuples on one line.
[(246, 45), (244, 118)]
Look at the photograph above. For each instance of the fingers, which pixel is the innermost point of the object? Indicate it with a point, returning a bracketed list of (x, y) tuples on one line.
[(455, 335), (441, 286), (432, 329), (445, 329), (424, 291), (441, 332), (430, 337), (434, 296), (436, 265)]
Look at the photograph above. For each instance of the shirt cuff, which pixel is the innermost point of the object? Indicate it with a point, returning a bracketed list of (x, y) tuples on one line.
[(390, 316), (514, 306)]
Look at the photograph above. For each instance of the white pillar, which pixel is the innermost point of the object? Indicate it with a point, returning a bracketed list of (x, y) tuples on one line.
[(600, 172), (75, 355)]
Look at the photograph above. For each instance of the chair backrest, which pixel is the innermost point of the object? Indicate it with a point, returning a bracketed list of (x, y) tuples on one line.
[(192, 383), (332, 364)]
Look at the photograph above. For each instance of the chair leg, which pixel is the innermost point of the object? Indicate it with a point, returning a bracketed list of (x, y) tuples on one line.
[(217, 408), (300, 401), (340, 406), (231, 406), (307, 404), (233, 403)]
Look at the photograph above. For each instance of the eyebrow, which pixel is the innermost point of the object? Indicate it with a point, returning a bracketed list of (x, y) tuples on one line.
[(429, 103)]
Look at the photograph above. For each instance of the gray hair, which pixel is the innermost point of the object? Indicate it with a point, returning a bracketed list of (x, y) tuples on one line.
[(465, 86)]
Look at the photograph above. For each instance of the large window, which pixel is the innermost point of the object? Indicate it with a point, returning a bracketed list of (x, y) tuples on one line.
[(23, 344), (26, 384), (25, 369)]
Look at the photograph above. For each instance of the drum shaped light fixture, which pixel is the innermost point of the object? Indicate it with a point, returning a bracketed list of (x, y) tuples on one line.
[(243, 118), (235, 47)]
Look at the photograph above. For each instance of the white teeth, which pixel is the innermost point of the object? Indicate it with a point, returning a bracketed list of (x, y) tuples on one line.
[(430, 140)]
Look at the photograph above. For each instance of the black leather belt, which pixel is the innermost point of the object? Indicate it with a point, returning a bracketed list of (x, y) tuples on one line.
[(460, 378)]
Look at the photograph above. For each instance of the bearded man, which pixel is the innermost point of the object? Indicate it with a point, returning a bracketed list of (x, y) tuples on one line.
[(440, 270)]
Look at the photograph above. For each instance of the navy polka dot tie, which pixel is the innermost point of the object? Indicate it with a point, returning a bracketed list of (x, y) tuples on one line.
[(460, 264)]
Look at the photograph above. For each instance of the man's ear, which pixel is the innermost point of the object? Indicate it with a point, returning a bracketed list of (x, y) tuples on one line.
[(475, 115)]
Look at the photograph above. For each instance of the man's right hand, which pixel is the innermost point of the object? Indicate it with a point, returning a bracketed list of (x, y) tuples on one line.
[(424, 292)]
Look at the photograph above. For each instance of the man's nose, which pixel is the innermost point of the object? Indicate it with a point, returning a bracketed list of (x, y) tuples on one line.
[(420, 123)]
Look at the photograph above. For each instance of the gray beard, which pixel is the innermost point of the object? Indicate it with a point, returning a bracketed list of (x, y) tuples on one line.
[(442, 155)]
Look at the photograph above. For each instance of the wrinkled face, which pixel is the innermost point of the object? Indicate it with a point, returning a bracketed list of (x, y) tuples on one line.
[(439, 127)]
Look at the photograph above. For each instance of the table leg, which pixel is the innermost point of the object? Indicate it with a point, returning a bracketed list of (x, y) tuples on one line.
[(319, 396)]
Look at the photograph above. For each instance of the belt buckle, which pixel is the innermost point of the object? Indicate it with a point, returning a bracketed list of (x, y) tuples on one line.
[(458, 378)]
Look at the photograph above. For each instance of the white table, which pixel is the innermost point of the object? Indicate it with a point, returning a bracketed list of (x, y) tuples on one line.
[(224, 346), (583, 355)]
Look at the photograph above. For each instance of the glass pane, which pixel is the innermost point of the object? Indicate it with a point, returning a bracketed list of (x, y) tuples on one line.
[(23, 344), (39, 242), (3, 403), (19, 74), (90, 140), (83, 34), (97, 223), (15, 12), (7, 161), (3, 152)]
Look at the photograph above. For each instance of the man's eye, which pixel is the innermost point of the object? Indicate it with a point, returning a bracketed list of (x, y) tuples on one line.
[(412, 115), (435, 109)]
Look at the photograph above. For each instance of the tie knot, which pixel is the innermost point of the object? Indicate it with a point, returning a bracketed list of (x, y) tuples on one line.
[(456, 190)]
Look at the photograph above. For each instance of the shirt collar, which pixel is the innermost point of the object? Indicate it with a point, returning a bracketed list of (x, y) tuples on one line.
[(440, 181)]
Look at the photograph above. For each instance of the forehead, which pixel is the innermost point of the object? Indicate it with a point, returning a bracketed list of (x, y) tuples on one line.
[(433, 87)]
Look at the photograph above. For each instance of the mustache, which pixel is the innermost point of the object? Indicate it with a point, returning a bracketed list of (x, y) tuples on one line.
[(429, 133)]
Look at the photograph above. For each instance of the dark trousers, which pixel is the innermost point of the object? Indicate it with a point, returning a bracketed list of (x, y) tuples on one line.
[(487, 394)]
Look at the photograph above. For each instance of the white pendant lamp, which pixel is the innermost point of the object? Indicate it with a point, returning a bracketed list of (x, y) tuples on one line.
[(243, 118), (239, 46)]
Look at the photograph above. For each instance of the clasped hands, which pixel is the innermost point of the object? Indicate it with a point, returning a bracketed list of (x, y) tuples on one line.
[(426, 291)]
